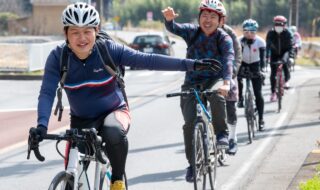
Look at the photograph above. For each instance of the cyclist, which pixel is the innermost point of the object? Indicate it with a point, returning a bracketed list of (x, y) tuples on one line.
[(279, 42), (95, 98), (253, 58), (232, 97), (205, 41), (297, 40)]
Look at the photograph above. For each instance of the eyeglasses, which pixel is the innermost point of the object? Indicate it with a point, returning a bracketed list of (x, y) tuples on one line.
[(249, 32)]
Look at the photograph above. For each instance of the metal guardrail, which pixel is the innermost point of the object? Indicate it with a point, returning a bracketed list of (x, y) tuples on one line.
[(25, 54), (19, 57), (311, 50)]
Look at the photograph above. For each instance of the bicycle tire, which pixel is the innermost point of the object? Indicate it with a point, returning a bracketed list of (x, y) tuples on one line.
[(199, 174), (64, 179), (279, 91), (249, 131), (255, 126), (248, 112), (212, 157)]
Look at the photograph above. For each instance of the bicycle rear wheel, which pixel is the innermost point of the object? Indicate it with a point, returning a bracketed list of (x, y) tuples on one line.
[(62, 181), (199, 173)]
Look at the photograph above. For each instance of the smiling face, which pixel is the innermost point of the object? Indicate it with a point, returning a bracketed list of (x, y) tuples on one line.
[(81, 40), (209, 21)]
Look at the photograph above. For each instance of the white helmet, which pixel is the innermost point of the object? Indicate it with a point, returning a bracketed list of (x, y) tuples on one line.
[(293, 29), (80, 14)]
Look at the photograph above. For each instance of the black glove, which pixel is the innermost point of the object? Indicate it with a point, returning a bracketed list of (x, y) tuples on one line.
[(41, 132), (207, 65)]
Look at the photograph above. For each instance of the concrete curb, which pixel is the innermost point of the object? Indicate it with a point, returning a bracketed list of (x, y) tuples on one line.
[(20, 77), (307, 170)]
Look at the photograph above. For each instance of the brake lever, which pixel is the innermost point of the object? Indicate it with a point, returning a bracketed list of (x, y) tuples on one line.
[(33, 144), (97, 141)]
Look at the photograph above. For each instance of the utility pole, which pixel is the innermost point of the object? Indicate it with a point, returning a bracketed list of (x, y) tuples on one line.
[(250, 5), (99, 7), (294, 13)]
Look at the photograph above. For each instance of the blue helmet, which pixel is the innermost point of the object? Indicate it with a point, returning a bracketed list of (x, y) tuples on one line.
[(250, 25)]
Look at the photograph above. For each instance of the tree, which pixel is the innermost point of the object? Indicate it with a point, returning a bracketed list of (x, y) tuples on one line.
[(263, 11)]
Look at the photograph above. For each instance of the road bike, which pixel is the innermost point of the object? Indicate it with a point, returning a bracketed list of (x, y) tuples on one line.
[(206, 155), (75, 175), (279, 82), (291, 66), (249, 103)]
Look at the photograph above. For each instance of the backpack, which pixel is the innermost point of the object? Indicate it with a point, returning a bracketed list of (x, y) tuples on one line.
[(111, 68)]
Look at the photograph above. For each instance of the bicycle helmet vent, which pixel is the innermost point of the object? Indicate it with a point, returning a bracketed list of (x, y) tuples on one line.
[(80, 14)]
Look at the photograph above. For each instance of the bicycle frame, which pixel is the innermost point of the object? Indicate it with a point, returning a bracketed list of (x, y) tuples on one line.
[(205, 151), (77, 170)]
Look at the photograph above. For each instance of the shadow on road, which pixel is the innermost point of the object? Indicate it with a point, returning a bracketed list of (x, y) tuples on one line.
[(158, 177)]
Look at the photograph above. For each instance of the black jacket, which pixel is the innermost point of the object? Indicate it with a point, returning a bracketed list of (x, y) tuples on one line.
[(279, 44)]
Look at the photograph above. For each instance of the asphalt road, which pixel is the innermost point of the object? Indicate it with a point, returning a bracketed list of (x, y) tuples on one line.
[(156, 157)]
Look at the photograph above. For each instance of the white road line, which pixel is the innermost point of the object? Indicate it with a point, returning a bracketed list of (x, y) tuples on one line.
[(24, 109), (14, 110), (238, 177), (23, 143), (155, 91)]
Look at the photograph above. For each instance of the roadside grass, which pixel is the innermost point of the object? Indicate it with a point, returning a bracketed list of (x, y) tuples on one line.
[(313, 183), (305, 61), (31, 73), (311, 39)]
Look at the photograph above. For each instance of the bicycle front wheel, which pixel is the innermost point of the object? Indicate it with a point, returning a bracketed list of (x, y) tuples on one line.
[(249, 112), (199, 174), (212, 159), (250, 132), (62, 181), (279, 91)]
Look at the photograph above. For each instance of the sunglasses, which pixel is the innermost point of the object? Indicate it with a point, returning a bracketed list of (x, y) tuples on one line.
[(279, 24), (249, 32)]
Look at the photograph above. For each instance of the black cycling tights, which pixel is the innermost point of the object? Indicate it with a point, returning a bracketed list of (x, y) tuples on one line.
[(115, 139)]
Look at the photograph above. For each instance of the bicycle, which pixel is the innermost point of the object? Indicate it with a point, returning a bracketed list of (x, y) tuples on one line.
[(75, 176), (206, 155), (296, 50), (279, 82), (249, 104)]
